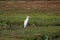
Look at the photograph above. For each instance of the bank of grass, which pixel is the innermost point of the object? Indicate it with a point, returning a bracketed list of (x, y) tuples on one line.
[(35, 19), (38, 25), (41, 22), (31, 33)]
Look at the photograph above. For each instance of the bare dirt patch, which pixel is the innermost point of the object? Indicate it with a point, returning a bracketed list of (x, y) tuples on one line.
[(30, 5)]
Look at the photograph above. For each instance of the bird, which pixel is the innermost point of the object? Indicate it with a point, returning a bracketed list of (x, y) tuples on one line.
[(26, 21)]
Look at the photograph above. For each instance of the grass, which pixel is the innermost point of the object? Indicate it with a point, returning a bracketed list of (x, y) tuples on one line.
[(42, 22), (30, 32), (35, 19), (39, 25)]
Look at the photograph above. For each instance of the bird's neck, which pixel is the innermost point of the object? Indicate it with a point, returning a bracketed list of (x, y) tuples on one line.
[(27, 18)]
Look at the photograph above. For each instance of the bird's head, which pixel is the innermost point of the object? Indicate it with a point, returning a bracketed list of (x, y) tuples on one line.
[(28, 17)]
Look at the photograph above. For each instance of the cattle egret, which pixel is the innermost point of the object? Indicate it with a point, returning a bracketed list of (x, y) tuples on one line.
[(26, 21)]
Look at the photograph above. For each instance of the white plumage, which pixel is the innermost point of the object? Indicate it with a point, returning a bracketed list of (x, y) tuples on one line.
[(26, 21)]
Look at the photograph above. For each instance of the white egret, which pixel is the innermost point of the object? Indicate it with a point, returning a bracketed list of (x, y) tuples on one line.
[(26, 21)]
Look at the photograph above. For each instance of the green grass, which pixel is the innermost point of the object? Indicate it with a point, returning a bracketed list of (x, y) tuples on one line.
[(41, 22), (30, 32), (35, 19)]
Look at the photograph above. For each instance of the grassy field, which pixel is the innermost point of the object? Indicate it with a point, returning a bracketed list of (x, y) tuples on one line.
[(43, 21), (31, 33)]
